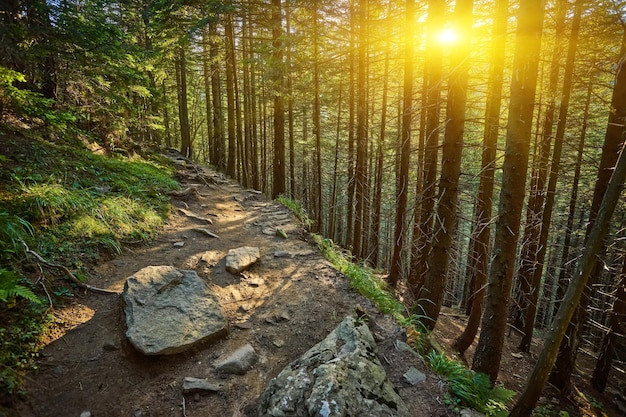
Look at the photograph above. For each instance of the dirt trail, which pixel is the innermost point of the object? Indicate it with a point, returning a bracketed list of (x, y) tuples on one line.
[(282, 306)]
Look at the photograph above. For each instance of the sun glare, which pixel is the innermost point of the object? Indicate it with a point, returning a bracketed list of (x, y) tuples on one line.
[(447, 36)]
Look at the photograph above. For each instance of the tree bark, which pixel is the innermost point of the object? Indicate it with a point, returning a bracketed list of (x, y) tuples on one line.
[(528, 399), (431, 294), (422, 240), (278, 170), (607, 350), (528, 42), (613, 143), (478, 256), (402, 185)]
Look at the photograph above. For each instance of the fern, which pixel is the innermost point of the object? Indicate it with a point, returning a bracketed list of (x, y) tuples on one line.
[(10, 288)]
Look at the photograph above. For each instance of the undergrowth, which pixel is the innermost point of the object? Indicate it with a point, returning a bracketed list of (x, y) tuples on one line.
[(80, 202), (70, 206), (469, 388)]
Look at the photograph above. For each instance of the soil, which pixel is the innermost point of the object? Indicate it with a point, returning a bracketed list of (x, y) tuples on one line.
[(282, 306)]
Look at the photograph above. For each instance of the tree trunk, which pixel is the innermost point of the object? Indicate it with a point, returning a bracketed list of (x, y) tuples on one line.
[(231, 168), (361, 133), (183, 109), (218, 158), (278, 170), (537, 250), (402, 185), (610, 340), (422, 236), (613, 143), (478, 255), (431, 294), (522, 103), (528, 399), (317, 129)]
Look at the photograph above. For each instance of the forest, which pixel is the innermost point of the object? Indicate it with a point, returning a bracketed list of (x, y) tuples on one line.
[(469, 151)]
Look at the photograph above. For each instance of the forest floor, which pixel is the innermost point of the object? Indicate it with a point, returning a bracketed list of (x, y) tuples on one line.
[(281, 306)]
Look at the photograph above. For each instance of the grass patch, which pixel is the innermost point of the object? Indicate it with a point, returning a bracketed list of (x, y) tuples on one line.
[(296, 208), (363, 279), (80, 202), (469, 388)]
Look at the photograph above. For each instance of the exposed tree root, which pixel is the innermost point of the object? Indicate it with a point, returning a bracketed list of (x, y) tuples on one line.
[(69, 273)]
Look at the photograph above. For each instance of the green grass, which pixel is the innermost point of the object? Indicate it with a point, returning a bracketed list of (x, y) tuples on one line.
[(70, 206), (363, 279), (81, 203), (469, 388), (296, 208)]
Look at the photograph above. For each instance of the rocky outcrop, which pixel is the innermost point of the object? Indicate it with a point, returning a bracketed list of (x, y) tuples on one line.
[(340, 376), (240, 259), (169, 310)]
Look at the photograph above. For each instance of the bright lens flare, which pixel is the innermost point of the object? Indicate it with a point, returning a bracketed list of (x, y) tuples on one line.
[(448, 36)]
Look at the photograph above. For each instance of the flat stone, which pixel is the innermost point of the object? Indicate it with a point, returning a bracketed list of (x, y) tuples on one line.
[(169, 310), (192, 385), (413, 376), (282, 254), (240, 259), (238, 362)]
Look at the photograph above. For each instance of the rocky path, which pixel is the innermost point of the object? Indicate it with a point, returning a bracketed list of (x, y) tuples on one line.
[(281, 307)]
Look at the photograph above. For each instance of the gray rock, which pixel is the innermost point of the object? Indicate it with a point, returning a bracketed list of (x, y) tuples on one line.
[(86, 414), (468, 412), (240, 259), (238, 362), (169, 310), (413, 376), (282, 254), (192, 385), (340, 376)]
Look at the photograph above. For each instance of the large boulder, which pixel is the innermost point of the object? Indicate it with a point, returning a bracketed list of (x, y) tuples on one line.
[(169, 310), (340, 376)]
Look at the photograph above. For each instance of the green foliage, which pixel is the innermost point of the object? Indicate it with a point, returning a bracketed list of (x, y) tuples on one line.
[(13, 229), (296, 208), (362, 279), (10, 288), (470, 388), (20, 343), (29, 103), (81, 202)]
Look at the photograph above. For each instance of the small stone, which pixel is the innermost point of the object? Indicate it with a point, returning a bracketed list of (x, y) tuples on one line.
[(517, 355), (279, 343), (240, 259), (282, 254), (413, 376), (244, 326), (238, 362), (110, 346), (193, 385), (86, 414), (179, 244)]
